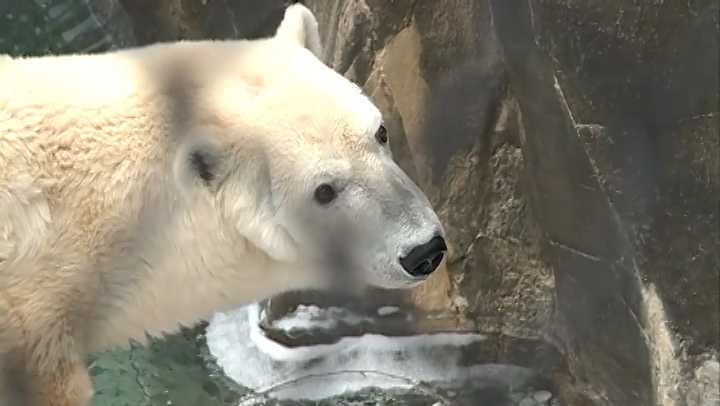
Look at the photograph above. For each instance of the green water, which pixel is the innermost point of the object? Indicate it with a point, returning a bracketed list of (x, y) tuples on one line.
[(179, 371), (174, 371)]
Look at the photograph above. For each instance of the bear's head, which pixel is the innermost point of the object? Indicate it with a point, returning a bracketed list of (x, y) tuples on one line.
[(301, 164)]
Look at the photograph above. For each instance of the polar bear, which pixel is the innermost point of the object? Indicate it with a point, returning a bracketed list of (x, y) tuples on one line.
[(146, 188)]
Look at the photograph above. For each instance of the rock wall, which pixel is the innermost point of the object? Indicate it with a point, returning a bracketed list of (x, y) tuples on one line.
[(622, 101), (437, 73), (572, 151)]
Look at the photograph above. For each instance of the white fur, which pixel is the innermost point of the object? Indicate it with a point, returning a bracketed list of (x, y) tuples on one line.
[(103, 221)]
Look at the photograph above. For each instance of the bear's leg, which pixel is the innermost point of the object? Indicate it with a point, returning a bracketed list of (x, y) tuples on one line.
[(12, 369), (54, 369), (43, 370), (69, 385), (12, 382)]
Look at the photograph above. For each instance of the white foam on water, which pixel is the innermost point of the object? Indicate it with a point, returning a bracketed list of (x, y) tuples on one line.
[(387, 310), (353, 363), (306, 317)]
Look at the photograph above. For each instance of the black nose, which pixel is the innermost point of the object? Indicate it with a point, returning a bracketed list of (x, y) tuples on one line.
[(424, 259)]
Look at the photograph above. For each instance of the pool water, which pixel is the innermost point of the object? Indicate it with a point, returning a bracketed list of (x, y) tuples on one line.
[(179, 370)]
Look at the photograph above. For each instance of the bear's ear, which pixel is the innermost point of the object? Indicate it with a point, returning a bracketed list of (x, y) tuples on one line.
[(300, 26), (198, 162)]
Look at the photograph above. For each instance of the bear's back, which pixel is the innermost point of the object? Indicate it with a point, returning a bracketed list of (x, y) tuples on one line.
[(77, 135)]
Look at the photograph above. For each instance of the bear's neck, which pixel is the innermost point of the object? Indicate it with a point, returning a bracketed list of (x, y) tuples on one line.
[(172, 276)]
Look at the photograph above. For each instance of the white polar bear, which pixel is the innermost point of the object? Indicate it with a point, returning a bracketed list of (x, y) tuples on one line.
[(144, 188)]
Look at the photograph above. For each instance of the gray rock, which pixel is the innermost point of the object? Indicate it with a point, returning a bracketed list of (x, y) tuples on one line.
[(704, 389), (621, 155), (435, 69)]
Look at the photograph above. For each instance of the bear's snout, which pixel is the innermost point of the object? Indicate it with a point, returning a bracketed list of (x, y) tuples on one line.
[(423, 259)]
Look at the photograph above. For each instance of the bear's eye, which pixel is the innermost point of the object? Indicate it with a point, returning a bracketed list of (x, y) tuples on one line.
[(325, 194), (381, 135)]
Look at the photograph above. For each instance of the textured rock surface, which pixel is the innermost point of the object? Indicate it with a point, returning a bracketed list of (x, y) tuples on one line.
[(621, 120), (572, 151), (436, 72)]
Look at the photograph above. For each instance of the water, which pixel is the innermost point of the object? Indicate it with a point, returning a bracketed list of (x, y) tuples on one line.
[(182, 370)]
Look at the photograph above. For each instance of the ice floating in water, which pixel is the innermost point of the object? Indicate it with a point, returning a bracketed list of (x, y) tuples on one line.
[(353, 363)]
